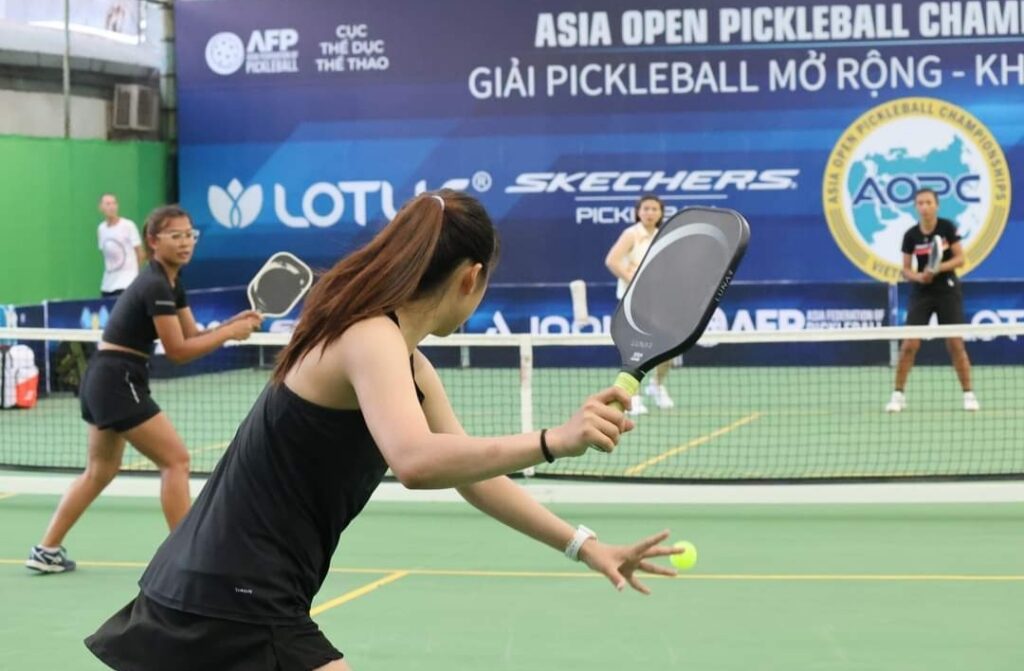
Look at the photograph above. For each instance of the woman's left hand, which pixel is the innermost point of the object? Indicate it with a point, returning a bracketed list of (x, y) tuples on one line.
[(621, 563)]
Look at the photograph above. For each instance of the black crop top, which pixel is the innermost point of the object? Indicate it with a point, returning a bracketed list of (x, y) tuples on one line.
[(150, 295)]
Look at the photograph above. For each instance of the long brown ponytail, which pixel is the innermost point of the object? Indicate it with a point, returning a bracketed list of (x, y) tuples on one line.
[(409, 258)]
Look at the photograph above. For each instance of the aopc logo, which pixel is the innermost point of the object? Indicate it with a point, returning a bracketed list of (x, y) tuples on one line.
[(901, 146)]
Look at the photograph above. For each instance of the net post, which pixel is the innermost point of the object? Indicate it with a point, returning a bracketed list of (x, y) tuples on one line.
[(526, 391)]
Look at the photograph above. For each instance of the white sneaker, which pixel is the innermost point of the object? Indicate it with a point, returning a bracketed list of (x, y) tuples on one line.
[(637, 407), (971, 402), (659, 394), (897, 402)]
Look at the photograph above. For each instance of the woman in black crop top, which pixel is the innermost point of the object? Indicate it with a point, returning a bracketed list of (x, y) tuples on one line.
[(114, 393), (343, 406)]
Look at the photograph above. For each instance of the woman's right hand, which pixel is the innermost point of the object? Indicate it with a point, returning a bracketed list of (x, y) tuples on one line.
[(246, 314), (241, 329), (596, 424)]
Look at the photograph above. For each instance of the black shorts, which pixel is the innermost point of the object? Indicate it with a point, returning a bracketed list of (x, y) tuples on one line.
[(115, 391), (145, 636), (948, 305)]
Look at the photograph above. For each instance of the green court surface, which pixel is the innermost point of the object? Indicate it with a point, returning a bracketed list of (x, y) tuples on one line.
[(434, 586), (728, 423)]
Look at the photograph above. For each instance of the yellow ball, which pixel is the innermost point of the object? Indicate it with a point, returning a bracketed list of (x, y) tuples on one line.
[(687, 559)]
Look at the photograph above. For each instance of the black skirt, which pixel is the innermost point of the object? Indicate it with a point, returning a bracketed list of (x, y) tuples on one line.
[(145, 636)]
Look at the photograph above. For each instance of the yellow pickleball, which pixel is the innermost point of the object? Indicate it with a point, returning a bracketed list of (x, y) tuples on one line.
[(688, 558)]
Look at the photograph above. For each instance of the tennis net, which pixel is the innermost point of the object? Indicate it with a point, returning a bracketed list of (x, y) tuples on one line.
[(754, 406)]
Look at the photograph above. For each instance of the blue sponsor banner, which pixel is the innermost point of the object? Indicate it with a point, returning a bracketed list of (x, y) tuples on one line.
[(210, 307), (305, 125), (547, 310), (25, 316), (989, 302)]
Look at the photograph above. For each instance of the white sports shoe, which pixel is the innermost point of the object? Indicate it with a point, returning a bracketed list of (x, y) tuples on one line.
[(659, 394), (897, 402), (971, 402), (637, 407)]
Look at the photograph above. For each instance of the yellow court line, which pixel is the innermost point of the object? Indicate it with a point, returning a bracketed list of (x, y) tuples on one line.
[(356, 593), (7, 495), (700, 440), (393, 574)]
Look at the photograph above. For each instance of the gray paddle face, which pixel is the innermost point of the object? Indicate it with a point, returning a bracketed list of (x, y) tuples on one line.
[(679, 283), (934, 255), (279, 285)]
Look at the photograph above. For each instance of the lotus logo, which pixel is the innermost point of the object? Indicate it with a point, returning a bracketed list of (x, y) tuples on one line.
[(235, 207)]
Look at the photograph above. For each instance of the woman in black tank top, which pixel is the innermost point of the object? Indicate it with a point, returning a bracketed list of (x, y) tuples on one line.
[(114, 393), (350, 397)]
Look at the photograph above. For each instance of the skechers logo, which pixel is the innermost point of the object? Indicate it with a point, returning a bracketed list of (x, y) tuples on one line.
[(655, 181)]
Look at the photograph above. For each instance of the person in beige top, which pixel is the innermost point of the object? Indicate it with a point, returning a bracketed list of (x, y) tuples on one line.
[(623, 259)]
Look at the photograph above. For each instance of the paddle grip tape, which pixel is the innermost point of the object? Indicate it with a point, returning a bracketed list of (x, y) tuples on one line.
[(629, 384)]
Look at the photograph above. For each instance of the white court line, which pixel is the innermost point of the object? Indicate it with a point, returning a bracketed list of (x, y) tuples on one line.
[(554, 491)]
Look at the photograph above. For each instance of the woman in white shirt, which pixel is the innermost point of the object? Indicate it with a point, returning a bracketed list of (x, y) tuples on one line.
[(623, 259)]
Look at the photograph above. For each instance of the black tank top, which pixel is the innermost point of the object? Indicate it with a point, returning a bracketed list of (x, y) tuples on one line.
[(257, 543)]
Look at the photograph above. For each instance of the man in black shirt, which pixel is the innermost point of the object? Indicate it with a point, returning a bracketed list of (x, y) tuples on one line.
[(933, 293)]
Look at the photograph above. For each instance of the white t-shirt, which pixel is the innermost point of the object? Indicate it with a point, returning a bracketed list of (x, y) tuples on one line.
[(642, 239), (118, 243)]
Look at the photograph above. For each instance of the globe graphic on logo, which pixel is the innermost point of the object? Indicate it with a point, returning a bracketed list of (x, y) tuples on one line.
[(225, 53), (897, 158)]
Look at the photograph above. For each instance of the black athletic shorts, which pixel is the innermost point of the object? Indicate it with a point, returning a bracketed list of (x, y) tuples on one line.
[(145, 636), (948, 305), (115, 391)]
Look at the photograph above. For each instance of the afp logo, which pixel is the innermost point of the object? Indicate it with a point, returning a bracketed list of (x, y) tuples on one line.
[(267, 51), (271, 40), (890, 152)]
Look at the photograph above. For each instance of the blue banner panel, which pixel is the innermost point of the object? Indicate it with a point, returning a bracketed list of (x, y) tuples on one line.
[(305, 125), (547, 310), (984, 303)]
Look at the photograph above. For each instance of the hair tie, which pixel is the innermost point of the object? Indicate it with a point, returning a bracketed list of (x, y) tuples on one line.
[(439, 199)]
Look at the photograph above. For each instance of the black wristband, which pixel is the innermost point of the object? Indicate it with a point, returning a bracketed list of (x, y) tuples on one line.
[(550, 458)]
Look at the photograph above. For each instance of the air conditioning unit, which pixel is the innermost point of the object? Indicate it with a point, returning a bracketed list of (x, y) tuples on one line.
[(136, 108)]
